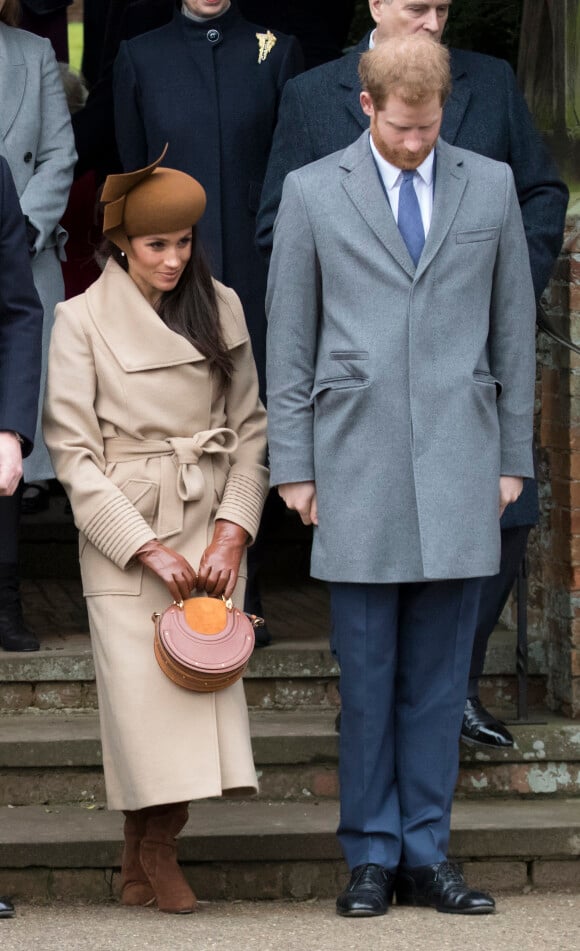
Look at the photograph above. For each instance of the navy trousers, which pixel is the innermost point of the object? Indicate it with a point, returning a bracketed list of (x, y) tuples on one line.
[(404, 653)]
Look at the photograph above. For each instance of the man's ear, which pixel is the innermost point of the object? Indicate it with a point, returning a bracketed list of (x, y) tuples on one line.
[(367, 103), (375, 9)]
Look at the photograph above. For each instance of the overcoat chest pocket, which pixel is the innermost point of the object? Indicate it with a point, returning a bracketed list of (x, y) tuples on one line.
[(482, 234)]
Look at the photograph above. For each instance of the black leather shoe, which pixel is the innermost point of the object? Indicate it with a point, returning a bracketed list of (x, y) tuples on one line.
[(480, 728), (369, 892), (14, 635), (442, 887), (6, 908)]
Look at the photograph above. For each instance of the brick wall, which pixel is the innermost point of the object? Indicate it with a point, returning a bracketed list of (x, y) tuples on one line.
[(555, 546)]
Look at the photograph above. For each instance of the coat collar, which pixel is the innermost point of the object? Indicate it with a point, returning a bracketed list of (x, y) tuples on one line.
[(349, 81), (455, 107), (362, 184), (12, 77), (135, 333)]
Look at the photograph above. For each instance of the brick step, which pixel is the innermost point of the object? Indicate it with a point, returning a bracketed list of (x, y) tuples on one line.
[(47, 758), (256, 850), (291, 673)]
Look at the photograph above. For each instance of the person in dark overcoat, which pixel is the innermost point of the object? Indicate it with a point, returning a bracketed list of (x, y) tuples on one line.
[(20, 350), (485, 113), (209, 89)]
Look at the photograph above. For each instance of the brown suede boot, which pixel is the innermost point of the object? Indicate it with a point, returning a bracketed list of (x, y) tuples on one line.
[(135, 886), (158, 854)]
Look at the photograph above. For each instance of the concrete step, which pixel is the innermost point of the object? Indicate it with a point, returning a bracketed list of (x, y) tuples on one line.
[(253, 850), (48, 758), (295, 671)]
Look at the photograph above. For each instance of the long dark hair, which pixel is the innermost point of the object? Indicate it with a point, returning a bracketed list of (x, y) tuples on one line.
[(191, 308), (10, 13)]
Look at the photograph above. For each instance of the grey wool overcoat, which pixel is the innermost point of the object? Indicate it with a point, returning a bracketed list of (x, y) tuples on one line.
[(37, 141), (403, 392), (147, 446)]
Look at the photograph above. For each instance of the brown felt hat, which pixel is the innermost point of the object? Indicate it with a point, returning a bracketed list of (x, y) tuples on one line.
[(151, 200)]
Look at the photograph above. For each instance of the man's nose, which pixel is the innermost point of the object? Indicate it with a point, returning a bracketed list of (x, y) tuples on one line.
[(413, 141), (431, 22)]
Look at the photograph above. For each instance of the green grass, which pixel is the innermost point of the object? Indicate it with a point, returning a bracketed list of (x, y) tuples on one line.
[(75, 45)]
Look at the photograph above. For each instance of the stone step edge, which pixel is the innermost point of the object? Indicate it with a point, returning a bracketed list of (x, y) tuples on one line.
[(288, 659), (39, 741), (226, 831)]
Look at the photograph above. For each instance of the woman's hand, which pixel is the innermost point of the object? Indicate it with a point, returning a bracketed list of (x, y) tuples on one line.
[(220, 562), (173, 569)]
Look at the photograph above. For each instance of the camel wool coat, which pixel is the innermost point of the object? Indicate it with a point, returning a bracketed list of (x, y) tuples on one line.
[(147, 447)]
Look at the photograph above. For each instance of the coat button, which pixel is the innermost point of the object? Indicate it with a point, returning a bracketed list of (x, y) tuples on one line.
[(28, 157), (214, 36)]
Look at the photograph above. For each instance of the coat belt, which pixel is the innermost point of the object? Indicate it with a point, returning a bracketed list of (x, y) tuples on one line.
[(179, 457)]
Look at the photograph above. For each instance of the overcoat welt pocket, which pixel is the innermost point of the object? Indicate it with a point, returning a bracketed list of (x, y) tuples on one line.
[(336, 384), (482, 376), (482, 234)]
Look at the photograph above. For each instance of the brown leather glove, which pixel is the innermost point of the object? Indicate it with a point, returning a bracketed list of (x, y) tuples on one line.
[(173, 569), (220, 562)]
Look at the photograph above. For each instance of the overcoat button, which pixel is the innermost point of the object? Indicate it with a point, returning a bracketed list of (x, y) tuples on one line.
[(28, 157), (214, 36)]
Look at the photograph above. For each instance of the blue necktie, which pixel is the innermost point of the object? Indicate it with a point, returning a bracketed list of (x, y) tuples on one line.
[(410, 221)]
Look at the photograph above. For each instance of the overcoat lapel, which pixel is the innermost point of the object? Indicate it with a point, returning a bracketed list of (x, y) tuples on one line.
[(351, 83), (122, 315), (363, 186), (450, 183), (457, 104), (12, 80)]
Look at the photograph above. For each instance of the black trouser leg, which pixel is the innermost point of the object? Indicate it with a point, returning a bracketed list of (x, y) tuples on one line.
[(14, 636), (494, 594)]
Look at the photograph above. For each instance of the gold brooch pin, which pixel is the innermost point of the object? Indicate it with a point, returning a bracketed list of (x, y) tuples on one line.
[(266, 43)]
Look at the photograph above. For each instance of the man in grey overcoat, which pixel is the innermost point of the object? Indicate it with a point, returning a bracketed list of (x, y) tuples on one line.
[(400, 394), (485, 113)]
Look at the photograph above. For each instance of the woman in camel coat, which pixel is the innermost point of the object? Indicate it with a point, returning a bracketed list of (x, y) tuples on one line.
[(160, 445)]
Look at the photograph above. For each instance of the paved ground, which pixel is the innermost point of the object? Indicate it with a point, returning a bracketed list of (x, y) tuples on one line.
[(522, 923)]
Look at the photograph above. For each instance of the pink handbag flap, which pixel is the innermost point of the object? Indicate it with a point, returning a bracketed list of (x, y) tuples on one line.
[(222, 652)]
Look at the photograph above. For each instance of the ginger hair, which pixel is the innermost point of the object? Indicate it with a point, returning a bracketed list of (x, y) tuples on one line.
[(415, 67)]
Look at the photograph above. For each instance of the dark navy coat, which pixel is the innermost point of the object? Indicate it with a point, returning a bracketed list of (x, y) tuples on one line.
[(202, 88), (20, 320), (320, 113)]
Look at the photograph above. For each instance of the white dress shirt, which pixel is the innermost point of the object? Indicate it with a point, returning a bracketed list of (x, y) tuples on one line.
[(422, 182)]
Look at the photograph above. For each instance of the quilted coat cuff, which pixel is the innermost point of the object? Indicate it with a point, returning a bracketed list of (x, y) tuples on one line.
[(243, 498), (118, 531)]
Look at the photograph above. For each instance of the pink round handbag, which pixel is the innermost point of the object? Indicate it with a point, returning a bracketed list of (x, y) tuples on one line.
[(204, 644)]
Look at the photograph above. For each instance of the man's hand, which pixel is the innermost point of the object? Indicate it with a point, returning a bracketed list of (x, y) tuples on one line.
[(301, 498), (10, 463), (510, 489)]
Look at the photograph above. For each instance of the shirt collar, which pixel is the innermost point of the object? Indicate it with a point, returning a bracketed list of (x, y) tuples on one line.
[(391, 174)]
